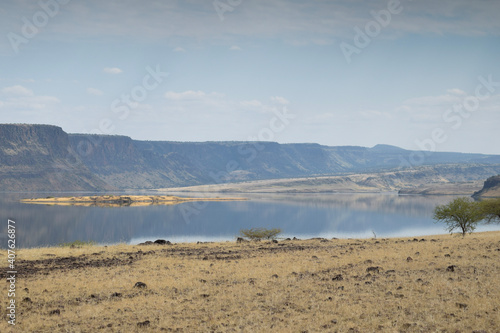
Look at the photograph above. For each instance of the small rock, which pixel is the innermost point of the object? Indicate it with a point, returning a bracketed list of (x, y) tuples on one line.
[(27, 300), (116, 295), (144, 324), (462, 305), (275, 276), (409, 259), (140, 285), (447, 255), (314, 257), (55, 312), (451, 268), (205, 295), (162, 242), (337, 277), (375, 269)]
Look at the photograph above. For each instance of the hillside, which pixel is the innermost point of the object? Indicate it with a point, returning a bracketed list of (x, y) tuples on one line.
[(127, 163), (44, 157), (39, 157), (448, 179), (491, 188)]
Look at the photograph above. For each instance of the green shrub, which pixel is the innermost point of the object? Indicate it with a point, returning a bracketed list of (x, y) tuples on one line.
[(260, 233)]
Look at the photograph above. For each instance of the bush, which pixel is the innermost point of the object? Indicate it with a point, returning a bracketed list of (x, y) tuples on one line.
[(260, 233), (461, 213)]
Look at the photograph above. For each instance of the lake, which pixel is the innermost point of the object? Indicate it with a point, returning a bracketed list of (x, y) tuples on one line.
[(298, 215)]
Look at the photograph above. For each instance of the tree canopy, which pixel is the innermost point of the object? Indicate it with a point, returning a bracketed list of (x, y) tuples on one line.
[(461, 213), (491, 210)]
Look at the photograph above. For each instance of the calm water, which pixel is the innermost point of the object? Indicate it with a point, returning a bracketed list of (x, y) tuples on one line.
[(301, 215)]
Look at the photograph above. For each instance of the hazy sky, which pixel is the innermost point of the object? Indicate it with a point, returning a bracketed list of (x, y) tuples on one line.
[(416, 74)]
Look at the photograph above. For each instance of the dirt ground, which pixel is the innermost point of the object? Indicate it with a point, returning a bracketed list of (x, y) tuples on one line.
[(428, 284)]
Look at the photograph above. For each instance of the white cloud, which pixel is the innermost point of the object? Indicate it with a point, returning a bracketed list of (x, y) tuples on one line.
[(19, 97), (441, 100), (456, 91), (17, 91), (94, 91), (280, 100), (179, 49), (190, 95), (112, 70), (235, 48), (375, 114)]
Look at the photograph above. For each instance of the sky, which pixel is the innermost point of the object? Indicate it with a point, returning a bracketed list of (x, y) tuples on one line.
[(421, 75)]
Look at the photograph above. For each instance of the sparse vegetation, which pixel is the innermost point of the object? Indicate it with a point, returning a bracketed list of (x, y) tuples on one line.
[(341, 285), (461, 213), (260, 233)]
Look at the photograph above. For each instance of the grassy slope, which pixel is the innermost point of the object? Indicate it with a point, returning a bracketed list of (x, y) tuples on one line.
[(292, 286)]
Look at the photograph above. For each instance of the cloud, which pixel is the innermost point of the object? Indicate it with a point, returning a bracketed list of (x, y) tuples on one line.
[(235, 48), (375, 114), (456, 91), (296, 22), (190, 95), (112, 70), (179, 49), (19, 97), (17, 91), (280, 100), (94, 91)]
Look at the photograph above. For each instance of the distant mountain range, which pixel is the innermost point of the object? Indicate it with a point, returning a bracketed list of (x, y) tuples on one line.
[(44, 157)]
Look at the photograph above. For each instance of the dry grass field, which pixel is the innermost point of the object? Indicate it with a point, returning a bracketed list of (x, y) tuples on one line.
[(430, 284)]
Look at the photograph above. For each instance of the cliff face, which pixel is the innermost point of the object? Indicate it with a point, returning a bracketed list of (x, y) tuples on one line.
[(44, 157), (38, 158), (491, 188), (120, 162)]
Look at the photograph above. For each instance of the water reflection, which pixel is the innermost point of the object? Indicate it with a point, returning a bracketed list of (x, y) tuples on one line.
[(300, 215)]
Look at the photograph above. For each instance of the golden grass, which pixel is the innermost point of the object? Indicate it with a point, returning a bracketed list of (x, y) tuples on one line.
[(119, 200), (292, 286)]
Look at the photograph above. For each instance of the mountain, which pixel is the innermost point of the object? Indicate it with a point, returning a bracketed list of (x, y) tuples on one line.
[(491, 188), (39, 157), (44, 157)]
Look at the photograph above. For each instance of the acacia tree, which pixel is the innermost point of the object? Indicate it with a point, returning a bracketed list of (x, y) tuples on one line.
[(260, 233), (461, 213), (491, 210)]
